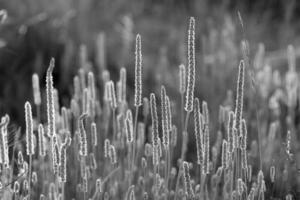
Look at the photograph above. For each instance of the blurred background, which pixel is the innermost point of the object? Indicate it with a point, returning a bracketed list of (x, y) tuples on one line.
[(100, 35), (34, 31)]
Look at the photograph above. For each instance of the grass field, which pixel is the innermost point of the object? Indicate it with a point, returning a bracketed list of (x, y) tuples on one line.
[(178, 110)]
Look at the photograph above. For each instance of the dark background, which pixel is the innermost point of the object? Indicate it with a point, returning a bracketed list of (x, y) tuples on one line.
[(37, 30)]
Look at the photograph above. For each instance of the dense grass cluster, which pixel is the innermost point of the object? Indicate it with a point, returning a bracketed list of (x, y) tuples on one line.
[(102, 147)]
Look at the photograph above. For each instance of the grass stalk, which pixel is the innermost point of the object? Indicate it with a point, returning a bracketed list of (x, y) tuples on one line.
[(185, 137), (134, 143), (29, 176), (167, 167)]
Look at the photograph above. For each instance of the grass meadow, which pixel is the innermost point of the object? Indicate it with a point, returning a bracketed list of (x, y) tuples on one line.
[(192, 131)]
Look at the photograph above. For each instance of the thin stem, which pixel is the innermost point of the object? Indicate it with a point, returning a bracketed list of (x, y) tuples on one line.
[(202, 185), (182, 112), (110, 174), (134, 141), (114, 125), (231, 178), (183, 151), (167, 166), (13, 155), (177, 182), (155, 182), (63, 190), (135, 131), (38, 113), (29, 176), (185, 137)]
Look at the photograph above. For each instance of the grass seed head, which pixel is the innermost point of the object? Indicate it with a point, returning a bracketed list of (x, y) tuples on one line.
[(198, 131), (187, 181), (272, 173), (123, 81), (182, 79), (29, 129), (106, 148), (50, 100), (138, 72), (164, 117), (112, 154), (239, 97), (94, 134), (154, 118), (36, 89), (129, 126), (191, 67)]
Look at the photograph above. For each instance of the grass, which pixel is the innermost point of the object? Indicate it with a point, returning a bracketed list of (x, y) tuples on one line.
[(96, 149)]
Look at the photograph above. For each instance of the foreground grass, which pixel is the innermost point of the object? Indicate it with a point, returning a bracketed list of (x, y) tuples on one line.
[(102, 147)]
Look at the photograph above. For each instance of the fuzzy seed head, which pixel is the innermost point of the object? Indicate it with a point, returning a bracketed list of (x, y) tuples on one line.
[(83, 138), (85, 100), (224, 154), (4, 141), (239, 97), (99, 185), (198, 132), (288, 142), (55, 158), (107, 90), (260, 179), (164, 117), (63, 164), (77, 88), (75, 108), (230, 127), (182, 79), (3, 16), (155, 154), (112, 92), (244, 158), (29, 129), (91, 85), (36, 89), (244, 134), (138, 72), (154, 118), (16, 187), (20, 158), (272, 174), (187, 180), (129, 126), (191, 67), (94, 134), (159, 148), (112, 154), (240, 186), (50, 100), (144, 163), (123, 81), (42, 149), (132, 195), (206, 156), (205, 113), (34, 177), (148, 150), (106, 148), (169, 113)]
